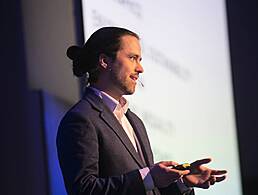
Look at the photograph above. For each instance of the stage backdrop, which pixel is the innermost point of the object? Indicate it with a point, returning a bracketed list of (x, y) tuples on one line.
[(187, 101)]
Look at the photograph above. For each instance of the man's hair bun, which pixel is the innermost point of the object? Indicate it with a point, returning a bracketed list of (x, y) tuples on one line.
[(73, 52)]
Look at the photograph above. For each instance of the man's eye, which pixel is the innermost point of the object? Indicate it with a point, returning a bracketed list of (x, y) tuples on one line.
[(133, 58)]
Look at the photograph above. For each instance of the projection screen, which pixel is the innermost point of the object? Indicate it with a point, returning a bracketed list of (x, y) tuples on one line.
[(187, 100)]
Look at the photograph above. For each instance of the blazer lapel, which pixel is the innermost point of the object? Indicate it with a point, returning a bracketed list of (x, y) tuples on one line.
[(141, 136), (112, 122)]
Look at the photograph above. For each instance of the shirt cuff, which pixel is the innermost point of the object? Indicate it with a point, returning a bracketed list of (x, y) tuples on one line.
[(147, 179), (182, 187)]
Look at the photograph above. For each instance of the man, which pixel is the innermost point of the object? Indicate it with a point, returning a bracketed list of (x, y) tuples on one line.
[(103, 147)]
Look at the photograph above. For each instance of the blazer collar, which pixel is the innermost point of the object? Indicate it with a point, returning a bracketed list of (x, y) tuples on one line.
[(109, 118)]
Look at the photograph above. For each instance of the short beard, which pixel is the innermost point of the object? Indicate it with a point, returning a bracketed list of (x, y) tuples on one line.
[(121, 84)]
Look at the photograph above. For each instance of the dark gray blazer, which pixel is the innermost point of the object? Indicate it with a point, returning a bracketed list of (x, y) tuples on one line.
[(95, 154)]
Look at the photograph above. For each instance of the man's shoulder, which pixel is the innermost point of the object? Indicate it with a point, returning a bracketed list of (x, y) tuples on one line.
[(82, 108), (79, 115)]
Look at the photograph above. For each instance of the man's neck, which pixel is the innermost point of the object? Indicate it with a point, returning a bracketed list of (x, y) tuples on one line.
[(109, 91)]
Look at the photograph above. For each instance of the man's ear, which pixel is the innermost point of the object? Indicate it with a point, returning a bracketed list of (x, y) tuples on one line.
[(104, 61)]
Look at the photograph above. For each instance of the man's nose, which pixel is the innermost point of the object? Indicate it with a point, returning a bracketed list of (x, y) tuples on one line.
[(139, 68)]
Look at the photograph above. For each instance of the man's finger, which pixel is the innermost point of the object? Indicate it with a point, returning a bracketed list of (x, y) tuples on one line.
[(219, 179), (218, 172), (212, 180), (200, 162), (205, 185)]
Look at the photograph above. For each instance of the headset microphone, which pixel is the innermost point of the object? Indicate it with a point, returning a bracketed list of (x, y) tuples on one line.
[(140, 82)]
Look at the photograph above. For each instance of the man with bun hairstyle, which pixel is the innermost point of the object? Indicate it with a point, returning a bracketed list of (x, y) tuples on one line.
[(103, 147)]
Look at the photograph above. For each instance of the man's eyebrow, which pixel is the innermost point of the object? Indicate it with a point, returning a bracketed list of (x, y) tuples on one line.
[(136, 55)]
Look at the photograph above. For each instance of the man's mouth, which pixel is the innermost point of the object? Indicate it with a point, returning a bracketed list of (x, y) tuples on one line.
[(134, 77)]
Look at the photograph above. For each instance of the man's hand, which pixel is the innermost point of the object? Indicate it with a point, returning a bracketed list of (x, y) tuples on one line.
[(163, 175), (201, 176)]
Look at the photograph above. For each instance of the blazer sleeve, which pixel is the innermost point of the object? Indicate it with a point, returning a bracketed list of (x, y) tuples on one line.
[(78, 153), (173, 189)]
